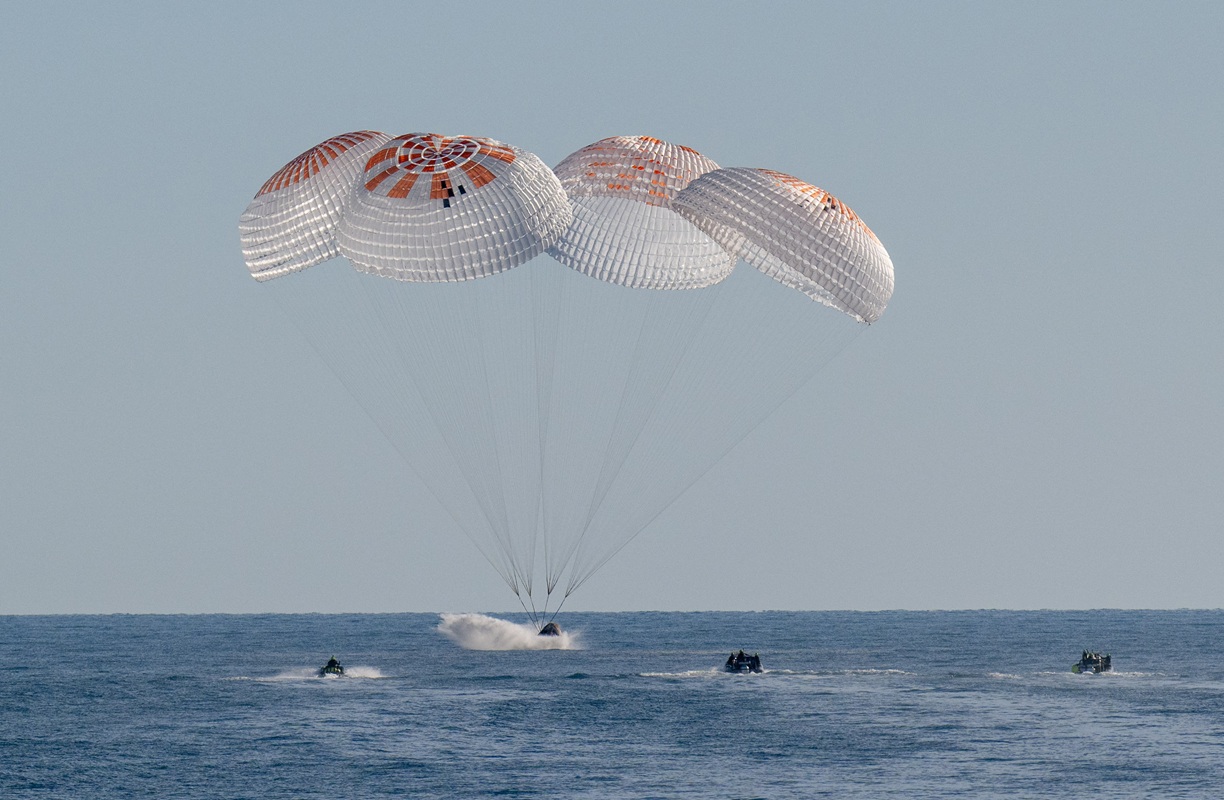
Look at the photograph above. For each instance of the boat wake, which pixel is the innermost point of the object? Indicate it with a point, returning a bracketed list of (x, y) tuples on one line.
[(359, 672), (824, 674), (481, 632), (718, 672), (711, 672), (312, 674)]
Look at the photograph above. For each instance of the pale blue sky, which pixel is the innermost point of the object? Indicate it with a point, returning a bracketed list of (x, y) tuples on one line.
[(1035, 422)]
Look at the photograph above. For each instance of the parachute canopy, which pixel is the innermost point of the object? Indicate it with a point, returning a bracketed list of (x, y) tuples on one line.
[(556, 412), (796, 233), (435, 208), (291, 223), (624, 230)]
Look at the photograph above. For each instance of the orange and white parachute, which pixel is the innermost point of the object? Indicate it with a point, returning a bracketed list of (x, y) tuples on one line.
[(624, 229), (291, 223), (556, 411), (435, 208), (796, 233), (630, 210), (419, 207)]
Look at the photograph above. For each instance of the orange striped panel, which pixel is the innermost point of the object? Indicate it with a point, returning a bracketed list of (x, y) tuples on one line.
[(372, 183), (820, 196), (500, 153), (479, 173), (380, 156), (314, 159), (441, 182), (402, 186)]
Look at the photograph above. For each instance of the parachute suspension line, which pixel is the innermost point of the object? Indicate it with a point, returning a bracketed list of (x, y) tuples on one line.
[(675, 319), (574, 537), (590, 358), (580, 577), (474, 355), (531, 613), (806, 337), (508, 346), (634, 369), (404, 327), (593, 362), (487, 339), (684, 331), (324, 321), (417, 356), (547, 298), (617, 418), (556, 610), (669, 322), (558, 408)]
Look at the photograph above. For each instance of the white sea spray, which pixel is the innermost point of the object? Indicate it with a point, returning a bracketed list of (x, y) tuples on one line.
[(482, 632)]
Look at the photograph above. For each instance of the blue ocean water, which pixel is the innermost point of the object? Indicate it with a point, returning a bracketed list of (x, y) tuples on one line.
[(890, 704)]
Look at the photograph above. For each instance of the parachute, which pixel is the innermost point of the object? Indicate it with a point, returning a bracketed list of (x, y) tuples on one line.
[(432, 208), (291, 223), (798, 234), (556, 408), (624, 230)]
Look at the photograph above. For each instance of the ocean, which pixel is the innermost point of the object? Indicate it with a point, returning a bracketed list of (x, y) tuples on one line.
[(851, 704)]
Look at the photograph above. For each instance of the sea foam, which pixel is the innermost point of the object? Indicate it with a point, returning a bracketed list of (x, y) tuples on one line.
[(481, 632)]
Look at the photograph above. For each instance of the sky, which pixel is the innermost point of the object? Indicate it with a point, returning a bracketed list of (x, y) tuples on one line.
[(1035, 422)]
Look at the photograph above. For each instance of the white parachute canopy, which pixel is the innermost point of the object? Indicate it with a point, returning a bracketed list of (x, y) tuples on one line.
[(796, 233), (434, 208), (553, 415), (624, 230), (291, 223)]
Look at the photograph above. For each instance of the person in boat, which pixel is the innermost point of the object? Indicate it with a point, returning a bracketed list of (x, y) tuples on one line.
[(332, 667), (742, 662)]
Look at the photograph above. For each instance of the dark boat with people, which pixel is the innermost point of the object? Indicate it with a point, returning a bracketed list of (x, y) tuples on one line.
[(551, 629), (1093, 663), (332, 667), (742, 662)]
